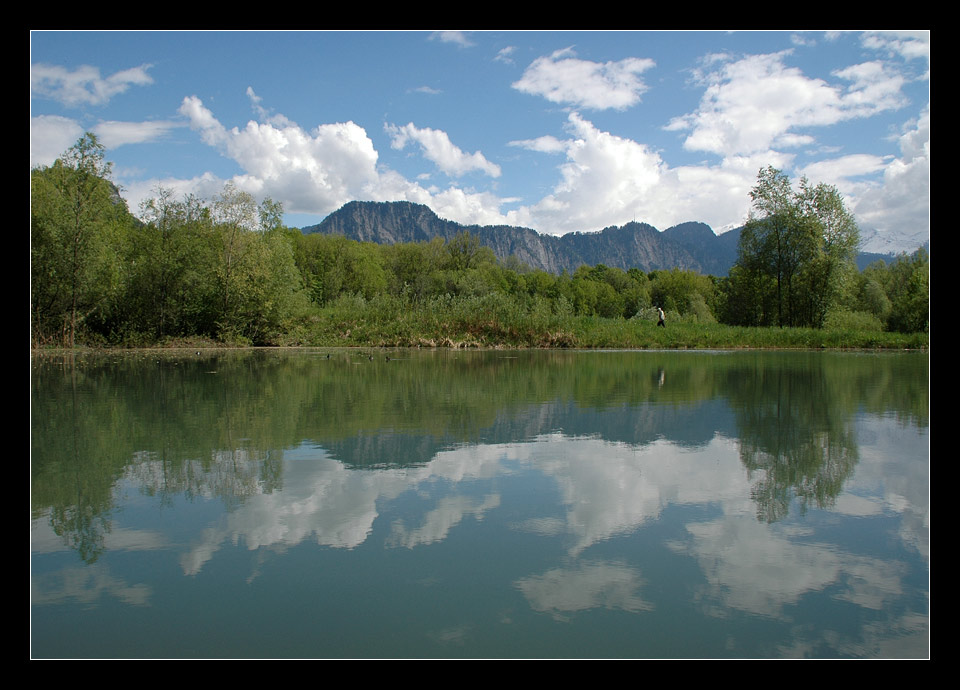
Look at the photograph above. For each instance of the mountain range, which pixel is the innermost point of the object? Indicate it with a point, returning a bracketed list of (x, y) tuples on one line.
[(688, 246)]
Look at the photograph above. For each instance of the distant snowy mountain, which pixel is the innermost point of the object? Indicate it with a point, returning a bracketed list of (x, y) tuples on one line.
[(874, 242)]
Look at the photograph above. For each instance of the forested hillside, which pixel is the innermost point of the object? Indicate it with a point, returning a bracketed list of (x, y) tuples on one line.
[(226, 270)]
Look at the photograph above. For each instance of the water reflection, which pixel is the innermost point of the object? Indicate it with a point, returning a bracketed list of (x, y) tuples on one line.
[(585, 585), (675, 489)]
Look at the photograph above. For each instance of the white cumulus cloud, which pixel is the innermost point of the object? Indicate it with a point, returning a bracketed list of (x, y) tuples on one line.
[(317, 171), (898, 208), (753, 104), (311, 172), (563, 78), (604, 180), (438, 148)]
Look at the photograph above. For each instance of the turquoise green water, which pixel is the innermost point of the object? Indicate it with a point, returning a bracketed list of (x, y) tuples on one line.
[(265, 504)]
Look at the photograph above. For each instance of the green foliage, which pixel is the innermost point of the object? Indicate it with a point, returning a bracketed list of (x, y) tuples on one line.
[(224, 270), (169, 291), (77, 228), (795, 255), (465, 252), (257, 284), (409, 266), (332, 265), (909, 293), (600, 290), (845, 320), (874, 299), (683, 292), (897, 295)]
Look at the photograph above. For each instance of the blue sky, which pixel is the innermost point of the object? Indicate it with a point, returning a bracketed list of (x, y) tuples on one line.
[(556, 131)]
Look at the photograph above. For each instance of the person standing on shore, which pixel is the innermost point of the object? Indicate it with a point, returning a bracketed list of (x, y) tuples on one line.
[(660, 316)]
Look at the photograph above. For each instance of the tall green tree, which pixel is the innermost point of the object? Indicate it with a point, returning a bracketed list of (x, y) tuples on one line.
[(77, 227), (236, 218), (170, 287), (795, 251), (832, 265), (909, 293), (258, 285)]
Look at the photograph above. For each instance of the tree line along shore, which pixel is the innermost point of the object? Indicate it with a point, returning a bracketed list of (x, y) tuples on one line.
[(226, 272)]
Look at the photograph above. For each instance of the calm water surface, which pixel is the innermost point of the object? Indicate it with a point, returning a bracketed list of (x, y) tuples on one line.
[(263, 504)]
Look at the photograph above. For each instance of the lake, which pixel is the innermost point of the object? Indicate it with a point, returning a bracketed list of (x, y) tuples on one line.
[(364, 503)]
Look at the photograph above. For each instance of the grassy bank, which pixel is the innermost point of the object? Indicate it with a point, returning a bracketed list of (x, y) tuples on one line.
[(498, 321), (491, 323)]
